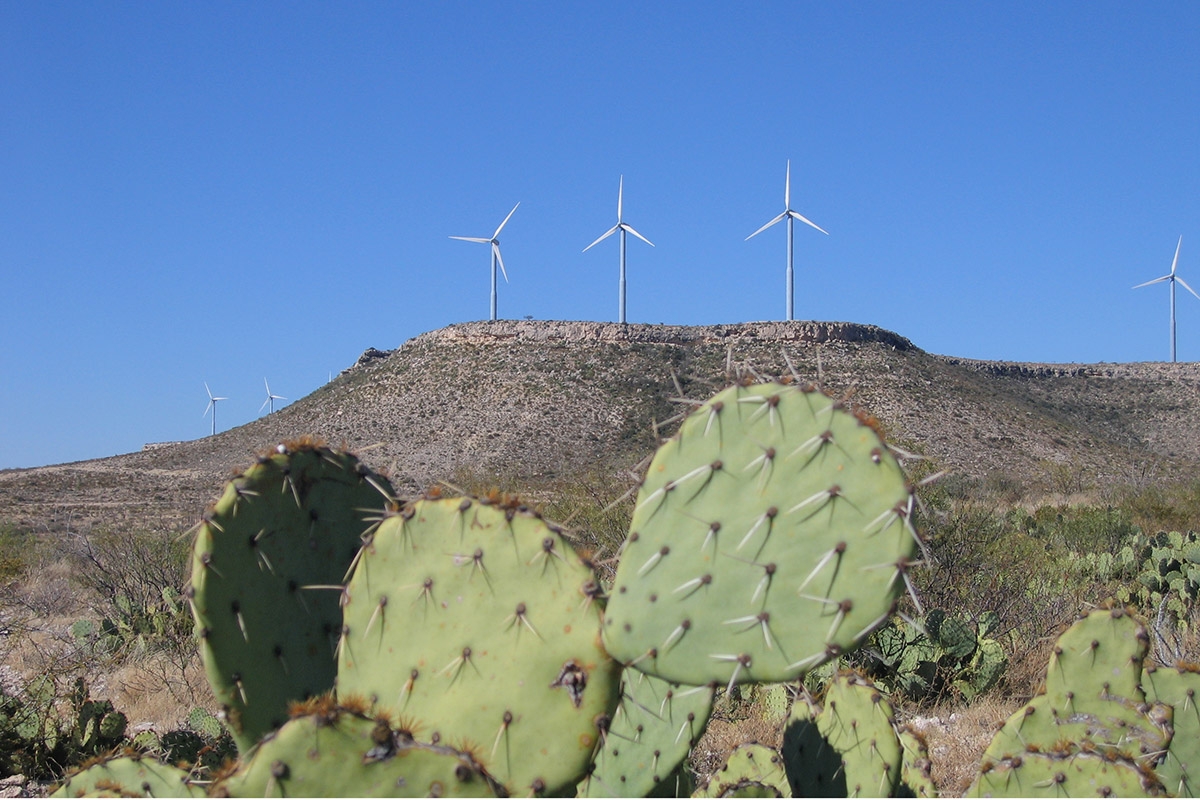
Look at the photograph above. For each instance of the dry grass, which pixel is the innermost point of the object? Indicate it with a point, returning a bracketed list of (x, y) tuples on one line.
[(957, 735), (153, 691)]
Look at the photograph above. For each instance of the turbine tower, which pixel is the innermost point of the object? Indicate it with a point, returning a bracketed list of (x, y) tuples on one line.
[(271, 398), (1172, 278), (496, 259), (789, 215), (624, 228), (212, 406)]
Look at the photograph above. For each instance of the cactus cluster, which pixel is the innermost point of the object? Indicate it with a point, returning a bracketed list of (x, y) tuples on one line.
[(941, 652), (1092, 730)]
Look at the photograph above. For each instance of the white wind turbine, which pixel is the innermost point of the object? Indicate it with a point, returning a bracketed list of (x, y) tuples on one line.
[(496, 259), (1172, 278), (624, 228), (789, 215), (271, 398), (212, 406)]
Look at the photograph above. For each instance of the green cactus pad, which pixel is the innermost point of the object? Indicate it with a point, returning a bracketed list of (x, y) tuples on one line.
[(916, 770), (129, 776), (655, 725), (1067, 771), (482, 620), (847, 747), (813, 766), (770, 535), (1100, 655), (1092, 697), (752, 770), (333, 752), (1178, 688), (291, 521)]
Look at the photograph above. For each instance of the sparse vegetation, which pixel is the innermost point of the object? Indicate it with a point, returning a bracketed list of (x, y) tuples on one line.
[(1017, 531)]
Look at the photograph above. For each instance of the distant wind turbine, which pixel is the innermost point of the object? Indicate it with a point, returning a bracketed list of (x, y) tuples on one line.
[(624, 228), (1172, 278), (496, 259), (212, 406), (271, 398), (789, 215)]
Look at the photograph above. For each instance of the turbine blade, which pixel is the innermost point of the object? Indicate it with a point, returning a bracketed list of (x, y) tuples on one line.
[(1156, 280), (787, 187), (635, 233), (620, 195), (499, 260), (506, 219), (780, 218), (1184, 285), (607, 234), (805, 220), (1175, 261), (472, 239), (208, 391), (264, 405)]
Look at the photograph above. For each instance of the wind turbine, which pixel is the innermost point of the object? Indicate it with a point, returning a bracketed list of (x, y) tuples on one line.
[(789, 215), (1172, 278), (496, 259), (212, 406), (271, 398), (624, 228)]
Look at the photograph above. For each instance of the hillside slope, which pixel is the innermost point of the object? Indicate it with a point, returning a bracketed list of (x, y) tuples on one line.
[(537, 400)]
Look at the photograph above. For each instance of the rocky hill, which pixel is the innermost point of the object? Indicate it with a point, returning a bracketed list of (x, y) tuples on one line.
[(538, 401)]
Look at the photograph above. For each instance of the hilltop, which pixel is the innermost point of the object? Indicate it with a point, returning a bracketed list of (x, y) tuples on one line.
[(535, 402)]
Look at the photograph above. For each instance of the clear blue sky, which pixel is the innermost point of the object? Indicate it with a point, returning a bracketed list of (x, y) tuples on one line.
[(224, 192)]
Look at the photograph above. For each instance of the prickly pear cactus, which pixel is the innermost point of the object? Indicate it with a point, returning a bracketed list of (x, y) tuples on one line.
[(332, 751), (129, 776), (752, 770), (478, 619), (655, 726), (1178, 688), (265, 558), (1093, 700), (848, 744), (916, 770), (1067, 770), (771, 534)]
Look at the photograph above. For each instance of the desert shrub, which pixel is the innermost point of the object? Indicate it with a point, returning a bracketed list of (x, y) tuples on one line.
[(1083, 528), (14, 552), (133, 581)]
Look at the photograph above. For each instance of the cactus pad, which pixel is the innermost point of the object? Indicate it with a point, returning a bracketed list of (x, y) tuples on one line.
[(654, 727), (1067, 771), (752, 770), (771, 534), (916, 770), (129, 776), (330, 751), (848, 745), (478, 618), (291, 521), (1178, 688), (1093, 702)]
